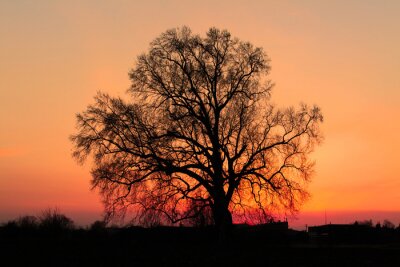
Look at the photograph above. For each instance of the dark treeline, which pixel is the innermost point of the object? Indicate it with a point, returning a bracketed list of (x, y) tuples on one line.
[(52, 239)]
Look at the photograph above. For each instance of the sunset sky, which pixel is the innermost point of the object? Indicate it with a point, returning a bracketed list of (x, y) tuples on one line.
[(341, 55)]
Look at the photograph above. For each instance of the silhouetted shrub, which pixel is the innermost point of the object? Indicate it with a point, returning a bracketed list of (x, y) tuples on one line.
[(98, 226), (368, 223), (12, 224), (27, 222), (388, 224), (52, 219)]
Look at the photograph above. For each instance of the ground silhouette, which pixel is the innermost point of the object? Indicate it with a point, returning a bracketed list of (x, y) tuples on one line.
[(28, 242)]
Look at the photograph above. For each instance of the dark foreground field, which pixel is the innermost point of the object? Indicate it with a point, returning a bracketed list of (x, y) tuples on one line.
[(185, 247)]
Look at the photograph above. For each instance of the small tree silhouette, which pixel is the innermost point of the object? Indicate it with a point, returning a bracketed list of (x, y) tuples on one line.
[(388, 224), (53, 220), (98, 226), (27, 222)]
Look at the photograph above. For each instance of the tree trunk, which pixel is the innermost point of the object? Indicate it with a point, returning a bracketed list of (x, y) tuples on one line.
[(223, 220)]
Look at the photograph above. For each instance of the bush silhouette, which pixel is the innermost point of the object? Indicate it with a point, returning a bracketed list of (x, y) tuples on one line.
[(98, 226), (53, 220), (388, 224), (27, 222)]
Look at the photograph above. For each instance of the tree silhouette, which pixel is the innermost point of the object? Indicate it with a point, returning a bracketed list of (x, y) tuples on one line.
[(53, 220), (198, 133)]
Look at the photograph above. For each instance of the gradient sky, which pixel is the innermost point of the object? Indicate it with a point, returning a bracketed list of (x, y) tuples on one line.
[(342, 55)]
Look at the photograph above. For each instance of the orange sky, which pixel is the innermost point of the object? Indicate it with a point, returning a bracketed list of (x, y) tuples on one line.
[(342, 55)]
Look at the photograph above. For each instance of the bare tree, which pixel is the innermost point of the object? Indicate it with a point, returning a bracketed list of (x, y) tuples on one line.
[(198, 133), (53, 220)]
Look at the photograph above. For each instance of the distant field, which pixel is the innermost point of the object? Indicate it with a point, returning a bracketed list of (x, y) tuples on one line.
[(184, 247)]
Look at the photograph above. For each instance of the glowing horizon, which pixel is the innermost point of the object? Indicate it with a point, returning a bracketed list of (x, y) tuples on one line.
[(341, 56)]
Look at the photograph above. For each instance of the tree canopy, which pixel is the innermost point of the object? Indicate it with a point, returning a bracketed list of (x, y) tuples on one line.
[(198, 134)]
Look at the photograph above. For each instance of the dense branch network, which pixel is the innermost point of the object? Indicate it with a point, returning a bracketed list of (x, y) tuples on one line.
[(198, 134)]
